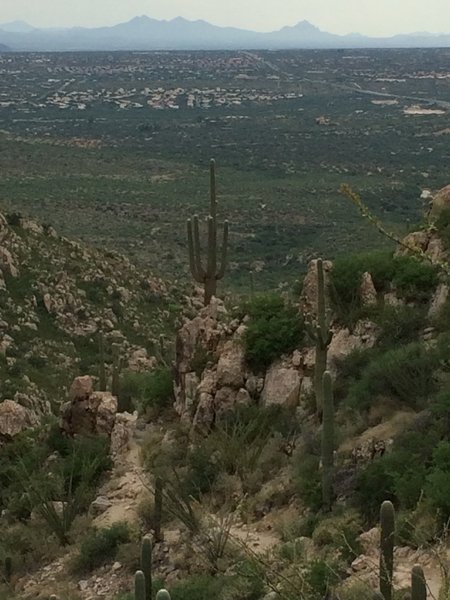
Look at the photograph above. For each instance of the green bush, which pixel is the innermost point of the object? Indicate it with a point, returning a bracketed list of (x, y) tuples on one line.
[(198, 587), (374, 485), (406, 373), (438, 480), (274, 329), (413, 278), (399, 325), (307, 480), (100, 546), (346, 281), (401, 475), (149, 391), (320, 577)]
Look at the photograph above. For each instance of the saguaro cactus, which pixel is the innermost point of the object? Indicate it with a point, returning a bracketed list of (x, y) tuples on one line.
[(146, 565), (418, 584), (139, 586), (157, 514), (320, 332), (209, 275), (387, 527), (163, 595), (101, 365), (327, 442), (117, 367)]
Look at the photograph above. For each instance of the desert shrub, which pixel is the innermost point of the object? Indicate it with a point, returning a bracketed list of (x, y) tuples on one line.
[(320, 576), (293, 551), (399, 325), (374, 485), (346, 277), (152, 391), (201, 472), (405, 373), (401, 475), (438, 480), (198, 587), (100, 546), (30, 482), (413, 278), (274, 329), (340, 532), (418, 527), (307, 479), (356, 591), (28, 545), (240, 444), (159, 389)]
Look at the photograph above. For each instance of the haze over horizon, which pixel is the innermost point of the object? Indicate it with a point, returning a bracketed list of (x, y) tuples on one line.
[(367, 17)]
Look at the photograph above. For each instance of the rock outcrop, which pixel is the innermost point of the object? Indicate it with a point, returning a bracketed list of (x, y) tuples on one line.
[(88, 412)]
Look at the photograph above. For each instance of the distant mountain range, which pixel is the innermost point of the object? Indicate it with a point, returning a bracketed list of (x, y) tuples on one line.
[(144, 33)]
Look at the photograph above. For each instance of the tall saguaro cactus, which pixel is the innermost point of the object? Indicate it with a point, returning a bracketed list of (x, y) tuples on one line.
[(208, 275), (320, 332), (328, 442), (387, 527)]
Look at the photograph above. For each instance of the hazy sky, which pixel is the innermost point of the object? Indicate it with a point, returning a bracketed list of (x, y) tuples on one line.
[(374, 17)]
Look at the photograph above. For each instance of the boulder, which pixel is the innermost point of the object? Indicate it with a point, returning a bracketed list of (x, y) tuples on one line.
[(81, 387), (231, 365), (14, 419), (282, 386)]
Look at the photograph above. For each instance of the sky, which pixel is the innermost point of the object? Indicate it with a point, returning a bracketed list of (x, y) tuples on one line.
[(369, 17)]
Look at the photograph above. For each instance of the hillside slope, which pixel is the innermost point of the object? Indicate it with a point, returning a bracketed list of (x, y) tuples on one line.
[(55, 296)]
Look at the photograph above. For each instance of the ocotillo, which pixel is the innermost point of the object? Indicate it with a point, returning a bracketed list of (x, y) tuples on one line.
[(208, 275)]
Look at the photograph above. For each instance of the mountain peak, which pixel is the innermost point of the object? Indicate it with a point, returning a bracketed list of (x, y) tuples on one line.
[(303, 26), (17, 27)]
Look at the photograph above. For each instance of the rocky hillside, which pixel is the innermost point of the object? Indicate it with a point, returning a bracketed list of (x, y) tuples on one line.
[(234, 471), (55, 298)]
